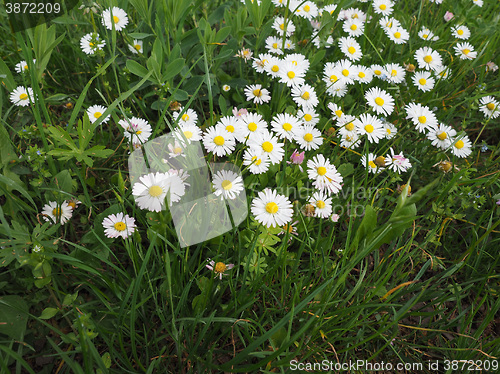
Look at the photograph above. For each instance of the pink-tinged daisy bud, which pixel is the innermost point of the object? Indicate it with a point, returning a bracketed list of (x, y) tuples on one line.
[(498, 202), (297, 158), (448, 16), (239, 112)]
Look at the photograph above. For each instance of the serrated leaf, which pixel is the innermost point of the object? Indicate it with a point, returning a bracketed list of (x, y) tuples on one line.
[(62, 136)]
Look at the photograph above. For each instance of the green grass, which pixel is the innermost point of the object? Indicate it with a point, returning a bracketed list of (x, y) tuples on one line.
[(401, 277)]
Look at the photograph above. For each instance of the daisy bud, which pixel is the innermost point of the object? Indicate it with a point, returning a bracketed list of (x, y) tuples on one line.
[(448, 16)]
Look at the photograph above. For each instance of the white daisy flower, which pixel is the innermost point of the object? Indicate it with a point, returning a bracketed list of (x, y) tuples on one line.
[(226, 87), (354, 27), (96, 111), (388, 22), (324, 175), (378, 70), (461, 146), (22, 96), (479, 3), (152, 189), (349, 138), (322, 204), (423, 80), (274, 45), (137, 130), (308, 137), (285, 125), (441, 136), (421, 116), (443, 72), (465, 51), (370, 126), (91, 43), (305, 96), (257, 162), (114, 16), (116, 225), (490, 107), (230, 124), (395, 73), (188, 117), (336, 110), (136, 47), (308, 116), (291, 74), (306, 9), (348, 71), (219, 141), (260, 63), (298, 60), (383, 7), (368, 161), (175, 150), (227, 184), (257, 94), (273, 67), (272, 209), (380, 100), (365, 74), (351, 48), (55, 213), (22, 66), (427, 34), (390, 130), (249, 125), (397, 163), (279, 25), (398, 35), (267, 143), (427, 58), (188, 131)]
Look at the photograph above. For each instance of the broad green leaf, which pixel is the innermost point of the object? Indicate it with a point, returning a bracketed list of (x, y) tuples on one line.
[(136, 68), (173, 68), (13, 316), (48, 313)]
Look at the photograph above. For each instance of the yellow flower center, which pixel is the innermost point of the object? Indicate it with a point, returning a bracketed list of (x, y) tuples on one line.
[(372, 164), (308, 117), (252, 126), (388, 130), (307, 8), (425, 36), (91, 45), (272, 208), (383, 7), (345, 72), (490, 106), (321, 170), (25, 67), (188, 134), (116, 19), (137, 47), (295, 63), (333, 78), (308, 137), (185, 117), (282, 26), (428, 59), (389, 24), (320, 204), (267, 147), (120, 226), (227, 185), (219, 140), (379, 101), (97, 114), (155, 191), (369, 128), (23, 96), (460, 32), (275, 68), (177, 150), (466, 51), (422, 119), (361, 74), (72, 204), (305, 96), (380, 161), (377, 72), (220, 267), (275, 45), (287, 126), (397, 35), (350, 126), (394, 72), (257, 92), (422, 81), (442, 136), (139, 132), (460, 144), (290, 74), (56, 212), (354, 27), (258, 162), (338, 113), (351, 50)]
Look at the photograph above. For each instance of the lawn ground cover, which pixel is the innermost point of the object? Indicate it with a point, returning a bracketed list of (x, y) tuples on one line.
[(250, 186)]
